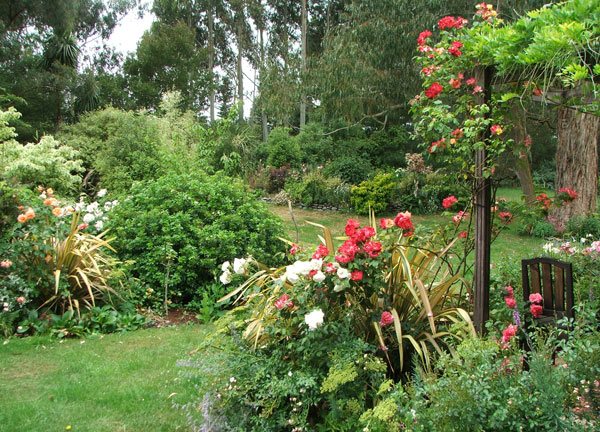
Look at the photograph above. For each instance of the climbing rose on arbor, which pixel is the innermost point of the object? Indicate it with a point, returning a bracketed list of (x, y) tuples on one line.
[(434, 90), (449, 201), (423, 37)]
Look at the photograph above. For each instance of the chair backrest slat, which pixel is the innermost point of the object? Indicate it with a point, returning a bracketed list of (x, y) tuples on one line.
[(559, 288), (548, 289), (535, 278)]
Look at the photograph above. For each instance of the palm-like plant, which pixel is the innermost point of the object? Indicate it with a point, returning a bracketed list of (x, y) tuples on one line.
[(80, 258)]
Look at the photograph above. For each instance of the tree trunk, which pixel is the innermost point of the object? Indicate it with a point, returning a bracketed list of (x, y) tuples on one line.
[(263, 114), (303, 92), (211, 62), (576, 163), (240, 71), (58, 120), (522, 168)]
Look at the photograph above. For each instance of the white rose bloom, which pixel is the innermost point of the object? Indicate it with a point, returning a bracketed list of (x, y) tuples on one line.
[(225, 278), (88, 218), (319, 277), (316, 264), (239, 265), (548, 247), (101, 193), (99, 225), (92, 208), (314, 319), (291, 277), (343, 273), (80, 206), (225, 266)]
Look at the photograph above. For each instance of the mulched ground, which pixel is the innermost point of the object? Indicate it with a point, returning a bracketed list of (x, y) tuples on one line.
[(176, 316)]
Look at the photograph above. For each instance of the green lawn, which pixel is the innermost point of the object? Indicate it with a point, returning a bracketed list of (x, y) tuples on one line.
[(118, 382), (508, 244)]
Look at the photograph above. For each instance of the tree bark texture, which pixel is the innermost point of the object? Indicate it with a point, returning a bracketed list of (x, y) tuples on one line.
[(211, 63), (304, 31), (240, 71), (576, 163), (522, 167)]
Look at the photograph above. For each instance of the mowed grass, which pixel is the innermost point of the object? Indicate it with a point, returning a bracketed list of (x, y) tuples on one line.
[(117, 383), (508, 245)]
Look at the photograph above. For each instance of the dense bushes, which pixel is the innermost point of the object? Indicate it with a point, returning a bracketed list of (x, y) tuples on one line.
[(119, 146), (179, 228), (373, 195)]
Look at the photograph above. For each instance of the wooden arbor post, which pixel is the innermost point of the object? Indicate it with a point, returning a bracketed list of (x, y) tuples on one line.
[(483, 227)]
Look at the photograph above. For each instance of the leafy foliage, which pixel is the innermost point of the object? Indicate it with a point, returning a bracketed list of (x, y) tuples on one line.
[(373, 195), (191, 223)]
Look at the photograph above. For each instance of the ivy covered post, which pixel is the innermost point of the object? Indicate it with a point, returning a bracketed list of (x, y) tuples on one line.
[(483, 226)]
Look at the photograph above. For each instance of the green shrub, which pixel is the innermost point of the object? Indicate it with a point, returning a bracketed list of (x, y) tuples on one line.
[(543, 229), (316, 147), (190, 223), (283, 148), (120, 146), (315, 188), (349, 168), (425, 192), (373, 194), (582, 227)]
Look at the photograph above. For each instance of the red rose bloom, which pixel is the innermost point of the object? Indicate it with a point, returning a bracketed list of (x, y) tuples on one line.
[(567, 194), (462, 235), (294, 249), (284, 301), (386, 319), (356, 275), (455, 83), (471, 81), (434, 90), (351, 227), (423, 36), (402, 220), (457, 133), (321, 252), (347, 252), (509, 290), (364, 234), (372, 248), (455, 49), (449, 201), (536, 310), (505, 217), (439, 143), (451, 22)]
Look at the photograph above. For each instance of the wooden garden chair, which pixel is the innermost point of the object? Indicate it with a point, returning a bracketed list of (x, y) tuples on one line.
[(553, 279)]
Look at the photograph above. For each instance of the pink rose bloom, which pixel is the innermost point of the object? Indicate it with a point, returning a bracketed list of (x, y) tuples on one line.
[(386, 223), (510, 302), (536, 310), (386, 319), (536, 298), (294, 249), (5, 263), (21, 300), (509, 332)]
